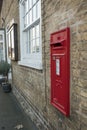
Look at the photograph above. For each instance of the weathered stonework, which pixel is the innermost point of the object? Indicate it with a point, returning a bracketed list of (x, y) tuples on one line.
[(32, 87)]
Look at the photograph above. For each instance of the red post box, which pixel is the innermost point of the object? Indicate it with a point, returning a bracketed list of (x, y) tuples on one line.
[(60, 70)]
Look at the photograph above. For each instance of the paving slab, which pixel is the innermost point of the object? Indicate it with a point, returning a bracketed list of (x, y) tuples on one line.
[(11, 115)]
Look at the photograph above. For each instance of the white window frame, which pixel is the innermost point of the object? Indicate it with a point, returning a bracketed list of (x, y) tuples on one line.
[(33, 60)]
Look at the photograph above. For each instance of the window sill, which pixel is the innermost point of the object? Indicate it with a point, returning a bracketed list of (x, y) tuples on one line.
[(37, 65)]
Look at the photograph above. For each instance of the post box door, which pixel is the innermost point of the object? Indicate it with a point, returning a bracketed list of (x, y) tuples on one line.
[(59, 79)]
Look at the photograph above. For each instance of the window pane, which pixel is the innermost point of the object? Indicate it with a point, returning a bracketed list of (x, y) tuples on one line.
[(25, 7), (12, 39), (38, 10), (30, 3), (12, 43), (37, 31), (30, 16), (9, 46), (29, 47), (33, 46), (1, 37), (26, 15), (30, 38), (34, 13), (1, 46), (27, 43), (27, 19), (34, 1), (37, 45), (25, 22), (33, 33), (1, 51)]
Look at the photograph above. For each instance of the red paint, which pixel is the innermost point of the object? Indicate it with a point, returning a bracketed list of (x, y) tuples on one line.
[(60, 70)]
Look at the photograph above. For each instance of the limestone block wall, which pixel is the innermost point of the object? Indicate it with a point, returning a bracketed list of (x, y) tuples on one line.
[(56, 15)]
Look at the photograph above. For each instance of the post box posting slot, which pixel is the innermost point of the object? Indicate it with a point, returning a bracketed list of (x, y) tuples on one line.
[(58, 45), (60, 70)]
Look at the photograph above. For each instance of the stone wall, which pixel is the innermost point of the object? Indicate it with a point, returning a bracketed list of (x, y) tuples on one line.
[(57, 15), (32, 87)]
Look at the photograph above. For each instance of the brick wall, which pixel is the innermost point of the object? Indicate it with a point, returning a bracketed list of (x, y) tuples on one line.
[(32, 87)]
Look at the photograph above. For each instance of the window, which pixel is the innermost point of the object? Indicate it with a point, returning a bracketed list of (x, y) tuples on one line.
[(30, 33), (12, 42)]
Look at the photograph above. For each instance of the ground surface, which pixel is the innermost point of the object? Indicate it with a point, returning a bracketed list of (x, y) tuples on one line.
[(11, 116)]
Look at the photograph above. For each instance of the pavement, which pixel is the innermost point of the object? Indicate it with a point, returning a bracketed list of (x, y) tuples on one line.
[(12, 116)]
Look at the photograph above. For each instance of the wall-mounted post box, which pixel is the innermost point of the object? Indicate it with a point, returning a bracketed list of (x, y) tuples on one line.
[(60, 70)]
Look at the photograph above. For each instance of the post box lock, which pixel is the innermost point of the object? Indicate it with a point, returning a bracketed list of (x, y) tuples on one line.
[(60, 70)]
